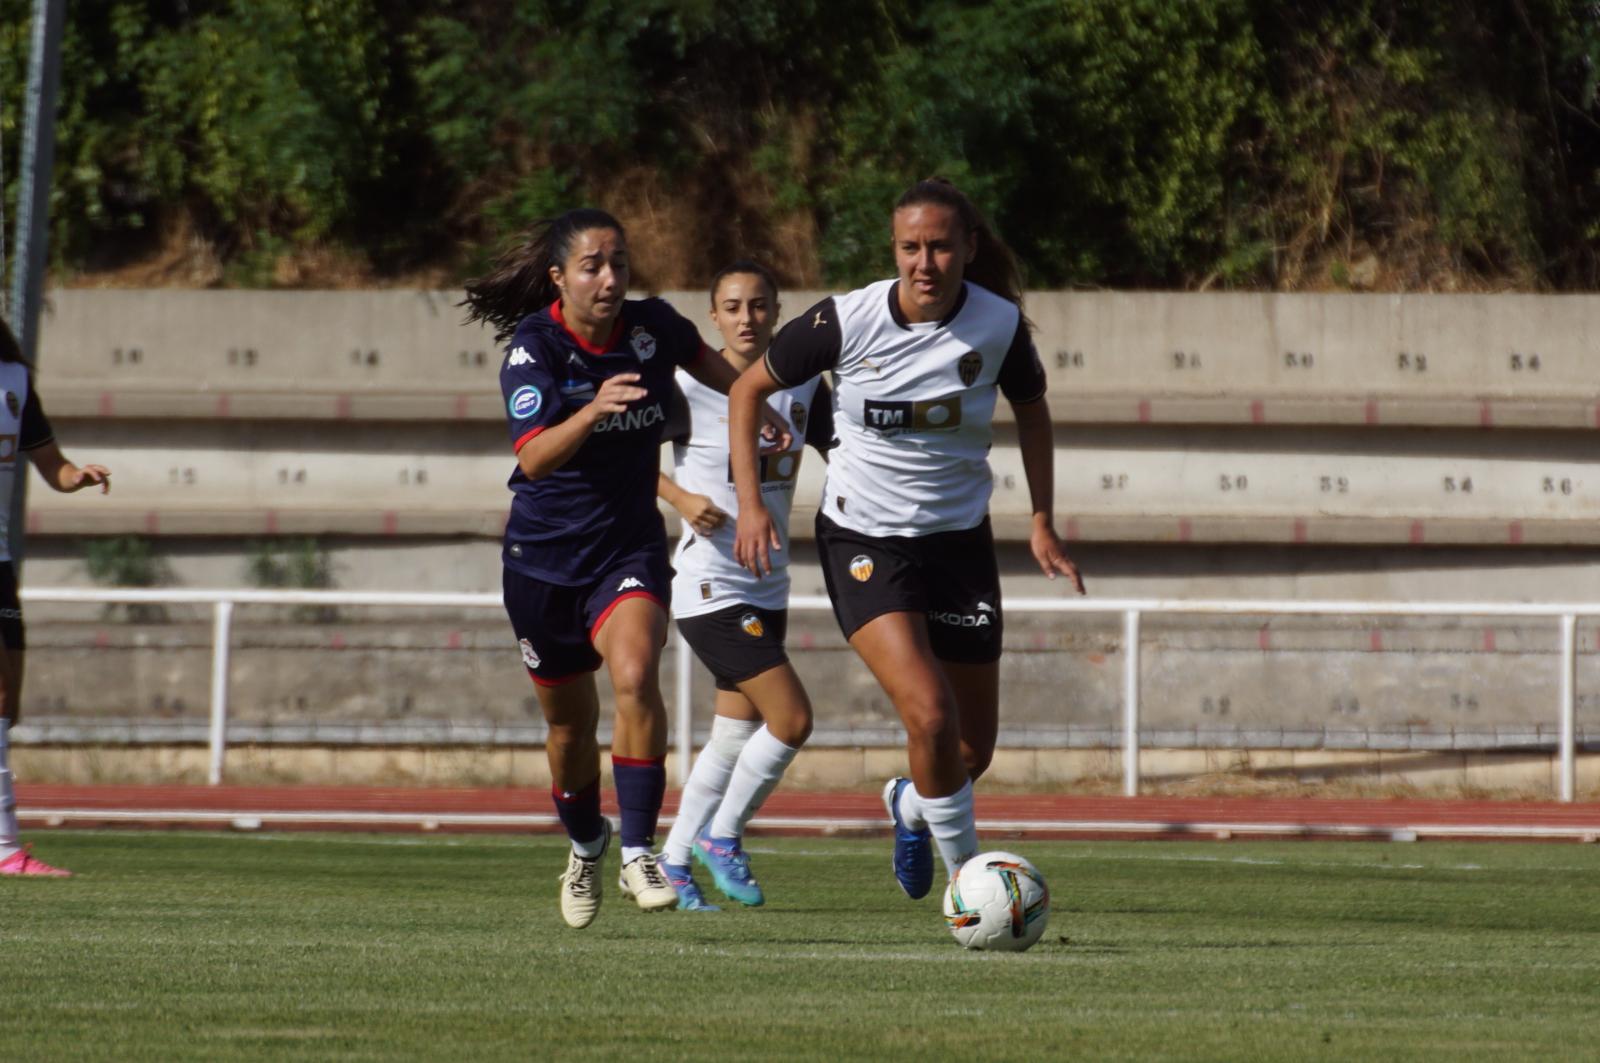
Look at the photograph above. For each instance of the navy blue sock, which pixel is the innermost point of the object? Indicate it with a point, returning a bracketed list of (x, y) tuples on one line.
[(579, 811), (641, 785)]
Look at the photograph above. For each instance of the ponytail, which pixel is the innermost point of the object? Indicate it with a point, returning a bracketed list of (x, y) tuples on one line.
[(993, 266), (519, 283)]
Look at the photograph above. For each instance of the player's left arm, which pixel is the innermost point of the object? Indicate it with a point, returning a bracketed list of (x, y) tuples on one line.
[(1022, 381), (62, 474), (36, 438)]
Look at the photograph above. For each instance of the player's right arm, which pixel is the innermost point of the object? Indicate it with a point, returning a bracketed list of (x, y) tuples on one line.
[(547, 450), (545, 432), (807, 347)]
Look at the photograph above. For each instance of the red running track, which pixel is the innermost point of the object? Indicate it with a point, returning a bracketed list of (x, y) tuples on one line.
[(1003, 815)]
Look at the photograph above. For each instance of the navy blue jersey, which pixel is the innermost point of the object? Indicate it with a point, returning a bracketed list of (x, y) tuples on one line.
[(571, 524)]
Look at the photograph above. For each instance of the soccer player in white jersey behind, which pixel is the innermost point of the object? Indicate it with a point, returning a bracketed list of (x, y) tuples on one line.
[(23, 429), (734, 622), (903, 530)]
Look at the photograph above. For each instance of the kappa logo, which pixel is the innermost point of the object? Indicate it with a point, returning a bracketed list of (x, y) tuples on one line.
[(525, 402), (519, 356), (861, 568), (752, 625), (630, 581), (643, 344), (529, 658), (968, 367)]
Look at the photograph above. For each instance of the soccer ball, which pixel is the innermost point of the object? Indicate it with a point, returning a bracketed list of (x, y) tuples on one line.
[(997, 901)]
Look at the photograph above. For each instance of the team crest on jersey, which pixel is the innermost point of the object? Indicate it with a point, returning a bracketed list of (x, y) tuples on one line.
[(968, 367), (797, 415), (529, 658), (861, 568), (752, 625), (12, 406), (644, 344)]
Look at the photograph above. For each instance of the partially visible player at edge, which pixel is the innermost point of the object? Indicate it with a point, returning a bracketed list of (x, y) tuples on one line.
[(903, 531), (23, 428), (586, 380), (734, 622)]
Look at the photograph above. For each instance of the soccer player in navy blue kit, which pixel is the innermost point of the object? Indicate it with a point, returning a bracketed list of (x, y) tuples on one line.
[(903, 532), (586, 379)]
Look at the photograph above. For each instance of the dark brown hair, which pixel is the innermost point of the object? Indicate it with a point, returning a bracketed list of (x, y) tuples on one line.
[(744, 265), (993, 266), (519, 283)]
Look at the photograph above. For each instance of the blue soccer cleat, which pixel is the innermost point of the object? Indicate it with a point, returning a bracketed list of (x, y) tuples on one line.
[(730, 868), (913, 849), (681, 876)]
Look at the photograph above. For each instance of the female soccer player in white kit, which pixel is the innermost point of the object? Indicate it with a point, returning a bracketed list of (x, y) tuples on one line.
[(734, 622), (903, 531), (24, 429)]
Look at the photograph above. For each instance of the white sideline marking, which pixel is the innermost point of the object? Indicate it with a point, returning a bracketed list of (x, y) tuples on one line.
[(256, 819)]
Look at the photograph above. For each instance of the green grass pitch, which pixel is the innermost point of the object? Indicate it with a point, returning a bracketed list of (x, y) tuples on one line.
[(221, 947)]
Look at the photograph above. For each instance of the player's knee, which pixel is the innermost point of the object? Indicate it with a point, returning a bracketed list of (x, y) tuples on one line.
[(929, 719), (633, 675), (792, 729), (978, 760)]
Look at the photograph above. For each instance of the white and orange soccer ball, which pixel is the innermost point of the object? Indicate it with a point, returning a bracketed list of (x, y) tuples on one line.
[(997, 902)]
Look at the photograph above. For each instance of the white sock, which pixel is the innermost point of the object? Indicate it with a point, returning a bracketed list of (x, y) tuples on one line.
[(760, 766), (954, 827), (590, 849), (707, 783), (911, 808), (8, 796), (630, 853)]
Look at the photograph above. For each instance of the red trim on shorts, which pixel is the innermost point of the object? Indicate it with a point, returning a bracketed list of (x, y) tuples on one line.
[(620, 599), (616, 333), (638, 762), (559, 681), (522, 440)]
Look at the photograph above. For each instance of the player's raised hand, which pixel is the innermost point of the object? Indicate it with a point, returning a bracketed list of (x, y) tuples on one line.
[(753, 539), (77, 477), (1053, 560), (775, 434), (615, 394), (703, 515)]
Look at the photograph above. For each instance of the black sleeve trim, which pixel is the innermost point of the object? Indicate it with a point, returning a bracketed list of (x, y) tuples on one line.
[(806, 347), (1022, 378), (819, 426), (34, 430), (678, 423)]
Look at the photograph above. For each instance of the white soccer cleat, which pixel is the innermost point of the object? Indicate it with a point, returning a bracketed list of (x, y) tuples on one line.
[(580, 885), (643, 883)]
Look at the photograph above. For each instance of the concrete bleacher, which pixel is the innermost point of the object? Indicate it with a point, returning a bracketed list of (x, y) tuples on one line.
[(1181, 417)]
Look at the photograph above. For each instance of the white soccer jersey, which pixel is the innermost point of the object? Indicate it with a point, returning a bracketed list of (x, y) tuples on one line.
[(708, 578), (913, 403), (23, 426)]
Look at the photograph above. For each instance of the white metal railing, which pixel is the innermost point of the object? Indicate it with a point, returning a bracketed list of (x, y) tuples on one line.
[(1131, 609)]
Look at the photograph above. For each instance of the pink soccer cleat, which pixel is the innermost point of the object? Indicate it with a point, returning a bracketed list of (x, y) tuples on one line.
[(23, 862)]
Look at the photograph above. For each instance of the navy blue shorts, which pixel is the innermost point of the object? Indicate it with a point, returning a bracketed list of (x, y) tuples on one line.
[(11, 632), (555, 625)]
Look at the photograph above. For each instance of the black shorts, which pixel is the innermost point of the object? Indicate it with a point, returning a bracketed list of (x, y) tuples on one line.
[(555, 625), (737, 643), (949, 577), (11, 633)]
